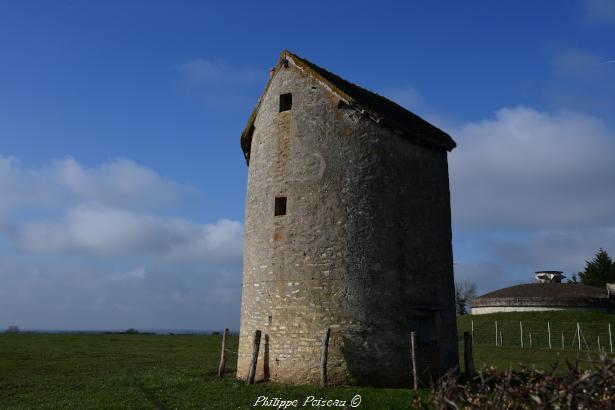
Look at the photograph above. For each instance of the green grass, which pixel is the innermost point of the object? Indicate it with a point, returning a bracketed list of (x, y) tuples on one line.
[(513, 357), (594, 326), (510, 353), (90, 371), (144, 372), (564, 316)]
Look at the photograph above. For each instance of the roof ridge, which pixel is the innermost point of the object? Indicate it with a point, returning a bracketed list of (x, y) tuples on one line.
[(350, 82)]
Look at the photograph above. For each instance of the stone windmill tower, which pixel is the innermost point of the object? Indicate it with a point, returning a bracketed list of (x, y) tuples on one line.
[(347, 227)]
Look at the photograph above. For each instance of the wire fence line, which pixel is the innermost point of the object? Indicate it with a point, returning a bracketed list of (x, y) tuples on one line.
[(593, 337)]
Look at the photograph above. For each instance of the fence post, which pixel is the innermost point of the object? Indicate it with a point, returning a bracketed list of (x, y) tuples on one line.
[(496, 332), (324, 358), (579, 335), (599, 349), (610, 339), (501, 344), (255, 347), (467, 354), (472, 323), (530, 340), (549, 330), (223, 354), (415, 381), (521, 332), (563, 345)]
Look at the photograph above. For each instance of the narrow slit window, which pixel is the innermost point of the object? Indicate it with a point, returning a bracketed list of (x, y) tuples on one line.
[(286, 102), (280, 206)]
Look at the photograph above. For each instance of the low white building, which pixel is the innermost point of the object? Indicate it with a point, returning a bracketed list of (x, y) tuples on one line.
[(548, 293)]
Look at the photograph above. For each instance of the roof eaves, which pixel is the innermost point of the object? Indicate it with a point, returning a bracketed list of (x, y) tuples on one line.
[(246, 135), (390, 123)]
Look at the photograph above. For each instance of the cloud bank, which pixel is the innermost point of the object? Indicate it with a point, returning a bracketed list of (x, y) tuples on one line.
[(530, 169), (110, 231), (120, 182), (99, 247), (531, 190)]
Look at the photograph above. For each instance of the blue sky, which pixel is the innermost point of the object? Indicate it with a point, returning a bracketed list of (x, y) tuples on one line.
[(122, 183)]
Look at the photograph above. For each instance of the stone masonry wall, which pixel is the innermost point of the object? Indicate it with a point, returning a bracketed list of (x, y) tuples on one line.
[(364, 248)]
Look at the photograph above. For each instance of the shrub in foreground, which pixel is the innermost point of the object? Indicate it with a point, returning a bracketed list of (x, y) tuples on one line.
[(530, 388)]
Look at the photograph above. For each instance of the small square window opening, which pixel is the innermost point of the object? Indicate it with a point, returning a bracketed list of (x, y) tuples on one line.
[(286, 102), (280, 206)]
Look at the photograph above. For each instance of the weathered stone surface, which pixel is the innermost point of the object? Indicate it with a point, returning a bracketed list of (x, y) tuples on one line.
[(364, 248)]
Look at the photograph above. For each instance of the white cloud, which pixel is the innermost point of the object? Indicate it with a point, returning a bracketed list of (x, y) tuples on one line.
[(486, 274), (555, 249), (410, 98), (407, 97), (138, 273), (530, 169), (582, 83), (200, 71), (120, 182), (19, 186), (222, 241), (508, 259), (223, 86), (531, 190), (578, 63), (602, 11), (94, 247), (71, 292), (104, 230)]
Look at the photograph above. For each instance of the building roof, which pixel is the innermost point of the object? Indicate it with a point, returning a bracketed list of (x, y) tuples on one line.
[(380, 109), (545, 294), (550, 290)]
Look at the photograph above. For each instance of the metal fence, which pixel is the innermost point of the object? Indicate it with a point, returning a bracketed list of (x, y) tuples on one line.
[(595, 337)]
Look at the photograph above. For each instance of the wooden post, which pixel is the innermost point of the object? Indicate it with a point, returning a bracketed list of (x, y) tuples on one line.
[(521, 333), (496, 332), (501, 338), (579, 335), (255, 347), (530, 340), (266, 370), (472, 323), (549, 330), (415, 381), (467, 354), (610, 339), (599, 349), (223, 354), (324, 358), (563, 345)]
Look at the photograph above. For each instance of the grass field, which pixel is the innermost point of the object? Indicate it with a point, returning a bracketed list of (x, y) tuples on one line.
[(167, 372), (510, 353), (144, 372)]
